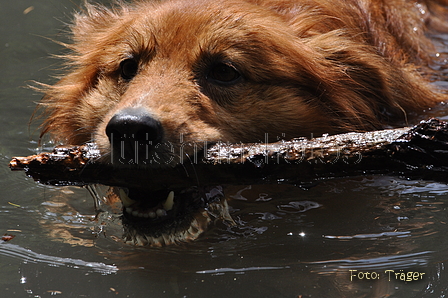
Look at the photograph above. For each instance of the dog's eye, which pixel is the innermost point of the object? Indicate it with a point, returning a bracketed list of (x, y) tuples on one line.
[(128, 68), (222, 73)]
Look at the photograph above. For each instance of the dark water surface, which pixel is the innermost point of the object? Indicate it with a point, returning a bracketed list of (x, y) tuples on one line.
[(293, 243)]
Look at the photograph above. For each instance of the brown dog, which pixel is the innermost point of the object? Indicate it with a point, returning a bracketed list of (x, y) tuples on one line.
[(148, 77)]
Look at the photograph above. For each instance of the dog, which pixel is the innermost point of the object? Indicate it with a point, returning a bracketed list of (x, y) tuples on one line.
[(148, 77)]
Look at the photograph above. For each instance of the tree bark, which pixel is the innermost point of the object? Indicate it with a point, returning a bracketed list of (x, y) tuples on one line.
[(417, 152)]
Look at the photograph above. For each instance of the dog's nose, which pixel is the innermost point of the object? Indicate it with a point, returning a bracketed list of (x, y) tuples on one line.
[(133, 131), (134, 124)]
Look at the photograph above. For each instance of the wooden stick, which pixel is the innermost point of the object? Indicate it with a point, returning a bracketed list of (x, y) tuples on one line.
[(420, 152)]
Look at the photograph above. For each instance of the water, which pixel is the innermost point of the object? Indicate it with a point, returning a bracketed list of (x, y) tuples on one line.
[(292, 242)]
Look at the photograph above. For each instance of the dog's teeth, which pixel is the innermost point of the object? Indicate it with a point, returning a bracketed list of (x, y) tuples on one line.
[(153, 214), (125, 198), (168, 204), (160, 212)]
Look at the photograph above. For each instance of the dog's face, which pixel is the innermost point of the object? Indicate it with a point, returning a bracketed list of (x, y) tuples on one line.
[(149, 83)]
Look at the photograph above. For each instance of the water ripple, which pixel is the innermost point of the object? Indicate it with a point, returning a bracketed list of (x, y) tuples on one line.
[(386, 262), (15, 251)]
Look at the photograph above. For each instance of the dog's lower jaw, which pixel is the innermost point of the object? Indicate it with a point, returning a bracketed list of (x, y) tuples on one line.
[(176, 235), (185, 218)]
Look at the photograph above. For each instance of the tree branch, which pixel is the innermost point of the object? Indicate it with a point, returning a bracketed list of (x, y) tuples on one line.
[(419, 152)]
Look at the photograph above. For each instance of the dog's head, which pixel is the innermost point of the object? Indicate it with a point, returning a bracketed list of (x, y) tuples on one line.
[(146, 79)]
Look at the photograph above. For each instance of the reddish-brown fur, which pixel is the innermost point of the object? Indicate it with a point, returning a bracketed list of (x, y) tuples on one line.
[(307, 66)]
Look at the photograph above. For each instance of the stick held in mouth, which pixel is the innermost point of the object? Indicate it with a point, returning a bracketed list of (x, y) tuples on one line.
[(420, 151)]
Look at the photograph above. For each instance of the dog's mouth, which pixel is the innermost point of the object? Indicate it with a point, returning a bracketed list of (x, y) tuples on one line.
[(164, 217)]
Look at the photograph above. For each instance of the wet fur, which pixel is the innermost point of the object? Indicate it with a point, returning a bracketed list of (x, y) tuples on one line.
[(306, 66)]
